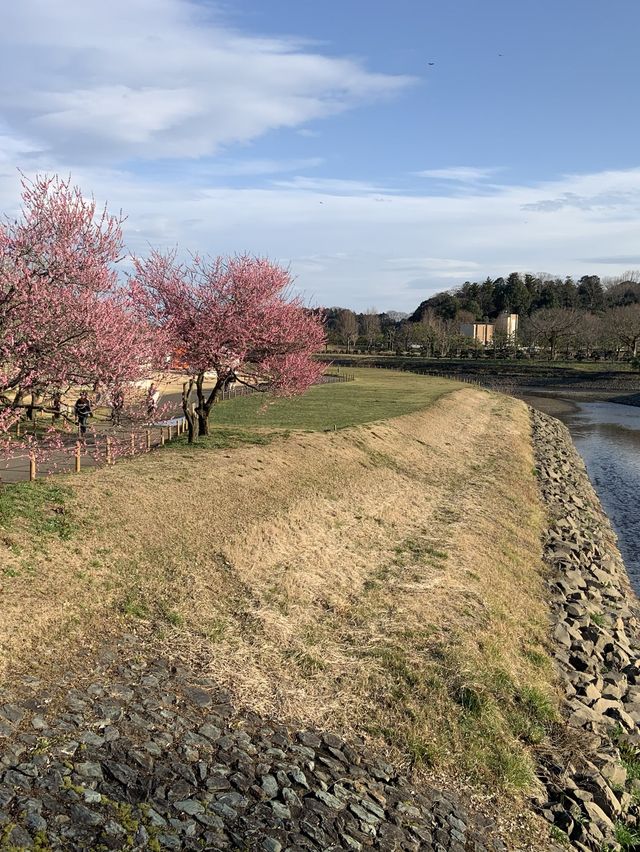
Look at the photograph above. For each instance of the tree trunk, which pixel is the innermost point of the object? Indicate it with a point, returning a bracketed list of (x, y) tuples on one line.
[(205, 403), (31, 411), (186, 408), (203, 419)]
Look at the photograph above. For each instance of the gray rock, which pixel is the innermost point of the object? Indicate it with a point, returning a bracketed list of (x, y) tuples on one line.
[(210, 732), (189, 806), (198, 696), (89, 770), (270, 786), (280, 810), (84, 816), (309, 739)]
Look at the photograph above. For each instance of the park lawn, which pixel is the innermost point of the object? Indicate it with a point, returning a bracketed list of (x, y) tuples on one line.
[(374, 395)]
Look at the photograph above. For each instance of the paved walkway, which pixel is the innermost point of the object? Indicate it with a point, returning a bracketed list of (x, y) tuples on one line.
[(128, 439)]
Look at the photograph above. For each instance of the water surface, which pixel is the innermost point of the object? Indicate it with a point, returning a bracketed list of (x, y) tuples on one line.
[(607, 436)]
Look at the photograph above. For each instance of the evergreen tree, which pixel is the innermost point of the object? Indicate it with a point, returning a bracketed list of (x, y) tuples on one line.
[(517, 296), (590, 293)]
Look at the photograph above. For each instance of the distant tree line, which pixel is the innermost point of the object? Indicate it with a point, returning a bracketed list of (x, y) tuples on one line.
[(587, 318), (526, 294)]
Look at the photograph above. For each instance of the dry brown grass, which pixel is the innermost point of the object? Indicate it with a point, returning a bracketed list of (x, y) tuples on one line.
[(383, 579)]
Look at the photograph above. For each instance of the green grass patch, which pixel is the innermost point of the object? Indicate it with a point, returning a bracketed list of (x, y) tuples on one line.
[(307, 663), (490, 721), (559, 836), (171, 615), (628, 837), (225, 438), (374, 395), (42, 505), (630, 759), (537, 658), (134, 607)]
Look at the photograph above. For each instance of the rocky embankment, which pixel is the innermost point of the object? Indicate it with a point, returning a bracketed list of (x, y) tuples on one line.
[(593, 778), (144, 755)]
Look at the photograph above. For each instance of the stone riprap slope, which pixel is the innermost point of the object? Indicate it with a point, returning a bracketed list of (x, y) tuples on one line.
[(147, 756), (592, 791)]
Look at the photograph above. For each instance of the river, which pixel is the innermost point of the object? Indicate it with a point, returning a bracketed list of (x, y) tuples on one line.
[(607, 436)]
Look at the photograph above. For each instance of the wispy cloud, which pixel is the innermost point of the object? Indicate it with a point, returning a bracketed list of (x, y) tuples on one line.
[(616, 259), (249, 168), (331, 186), (161, 78), (351, 251), (410, 264), (460, 174), (599, 200)]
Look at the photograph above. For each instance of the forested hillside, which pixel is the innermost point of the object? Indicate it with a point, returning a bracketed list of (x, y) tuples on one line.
[(588, 317)]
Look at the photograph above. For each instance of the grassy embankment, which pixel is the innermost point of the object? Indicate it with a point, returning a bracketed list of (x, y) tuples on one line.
[(523, 366), (382, 579)]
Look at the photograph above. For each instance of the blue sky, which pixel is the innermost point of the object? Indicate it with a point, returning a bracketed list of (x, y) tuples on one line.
[(321, 135)]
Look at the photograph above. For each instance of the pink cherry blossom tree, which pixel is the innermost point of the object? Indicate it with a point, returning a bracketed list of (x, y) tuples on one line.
[(64, 319), (234, 317)]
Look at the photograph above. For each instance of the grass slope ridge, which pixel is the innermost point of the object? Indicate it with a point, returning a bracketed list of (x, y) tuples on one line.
[(382, 579)]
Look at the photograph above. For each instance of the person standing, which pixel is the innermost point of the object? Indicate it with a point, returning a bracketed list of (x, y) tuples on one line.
[(83, 412)]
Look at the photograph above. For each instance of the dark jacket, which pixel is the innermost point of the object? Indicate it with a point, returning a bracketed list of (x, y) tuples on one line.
[(83, 408)]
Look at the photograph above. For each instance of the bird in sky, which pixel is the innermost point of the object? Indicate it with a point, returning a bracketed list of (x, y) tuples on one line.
[(431, 63)]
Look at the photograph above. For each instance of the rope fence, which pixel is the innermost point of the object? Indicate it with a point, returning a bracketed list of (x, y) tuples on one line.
[(99, 449), (95, 450)]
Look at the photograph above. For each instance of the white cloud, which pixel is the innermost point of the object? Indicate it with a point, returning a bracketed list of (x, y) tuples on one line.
[(460, 174), (253, 167), (157, 79), (330, 186), (161, 78), (350, 250), (414, 264)]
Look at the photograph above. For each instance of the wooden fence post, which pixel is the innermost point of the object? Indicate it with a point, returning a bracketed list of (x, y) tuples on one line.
[(109, 457), (169, 432), (32, 466), (161, 437), (77, 455), (148, 439)]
